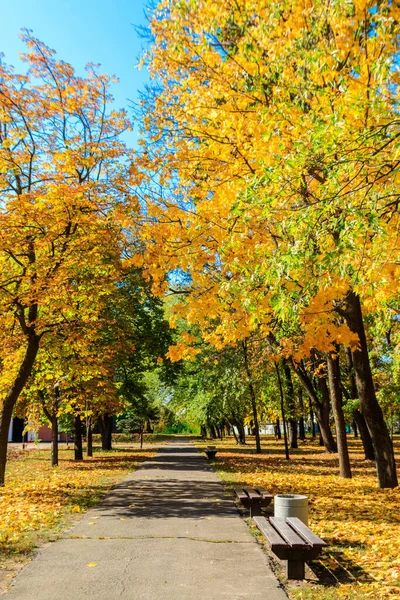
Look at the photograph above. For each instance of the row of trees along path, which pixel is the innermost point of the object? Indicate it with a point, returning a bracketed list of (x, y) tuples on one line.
[(273, 130), (264, 202)]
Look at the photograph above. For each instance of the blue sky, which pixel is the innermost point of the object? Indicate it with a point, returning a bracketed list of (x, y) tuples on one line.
[(81, 31)]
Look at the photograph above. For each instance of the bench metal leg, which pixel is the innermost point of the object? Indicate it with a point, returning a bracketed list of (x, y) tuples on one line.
[(295, 569)]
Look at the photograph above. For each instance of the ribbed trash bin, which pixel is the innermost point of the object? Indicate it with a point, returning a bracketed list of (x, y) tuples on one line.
[(291, 505)]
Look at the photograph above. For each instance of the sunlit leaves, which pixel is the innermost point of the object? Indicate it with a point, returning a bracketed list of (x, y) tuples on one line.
[(274, 134)]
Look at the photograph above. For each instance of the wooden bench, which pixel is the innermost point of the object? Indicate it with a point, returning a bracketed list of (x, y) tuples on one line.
[(292, 541), (254, 498)]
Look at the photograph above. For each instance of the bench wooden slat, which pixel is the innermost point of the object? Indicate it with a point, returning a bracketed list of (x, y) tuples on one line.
[(241, 494), (263, 492), (288, 533), (273, 537), (306, 533), (252, 494)]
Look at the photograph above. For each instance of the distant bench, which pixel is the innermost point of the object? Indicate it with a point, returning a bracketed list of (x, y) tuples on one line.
[(254, 498), (291, 540), (211, 451)]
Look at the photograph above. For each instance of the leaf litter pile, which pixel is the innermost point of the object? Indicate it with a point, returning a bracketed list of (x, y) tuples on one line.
[(360, 522)]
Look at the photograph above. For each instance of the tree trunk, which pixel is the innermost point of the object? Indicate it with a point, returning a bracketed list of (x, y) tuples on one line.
[(302, 431), (54, 441), (359, 419), (312, 422), (253, 398), (350, 370), (12, 397), (370, 408), (241, 433), (105, 425), (290, 405), (282, 411), (365, 435), (320, 408), (337, 407), (323, 414), (78, 449), (277, 428), (355, 428), (234, 434), (89, 437)]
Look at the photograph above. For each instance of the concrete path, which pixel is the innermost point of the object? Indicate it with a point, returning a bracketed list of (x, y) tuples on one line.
[(167, 532)]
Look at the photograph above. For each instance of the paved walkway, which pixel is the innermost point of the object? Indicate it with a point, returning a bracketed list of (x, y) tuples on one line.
[(167, 532)]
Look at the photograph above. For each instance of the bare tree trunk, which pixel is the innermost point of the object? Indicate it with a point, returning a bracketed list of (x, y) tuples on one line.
[(54, 441), (282, 411), (290, 404), (105, 425), (241, 433), (302, 431), (337, 406), (53, 419), (321, 407), (359, 419), (278, 432), (323, 415), (383, 447), (365, 435), (78, 450), (313, 432), (141, 437), (253, 398), (234, 434), (89, 437), (12, 397)]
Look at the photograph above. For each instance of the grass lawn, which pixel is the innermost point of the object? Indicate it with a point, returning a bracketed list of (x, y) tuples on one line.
[(38, 502), (360, 522)]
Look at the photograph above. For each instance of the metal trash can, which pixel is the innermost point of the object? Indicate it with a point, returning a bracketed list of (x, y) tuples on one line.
[(291, 505)]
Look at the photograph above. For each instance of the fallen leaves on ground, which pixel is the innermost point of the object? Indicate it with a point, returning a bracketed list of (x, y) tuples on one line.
[(38, 499), (360, 522)]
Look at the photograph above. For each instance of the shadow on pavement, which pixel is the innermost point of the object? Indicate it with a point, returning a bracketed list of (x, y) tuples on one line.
[(168, 498)]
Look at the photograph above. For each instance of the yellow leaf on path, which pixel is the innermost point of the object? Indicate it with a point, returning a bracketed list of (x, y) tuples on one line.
[(91, 565)]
